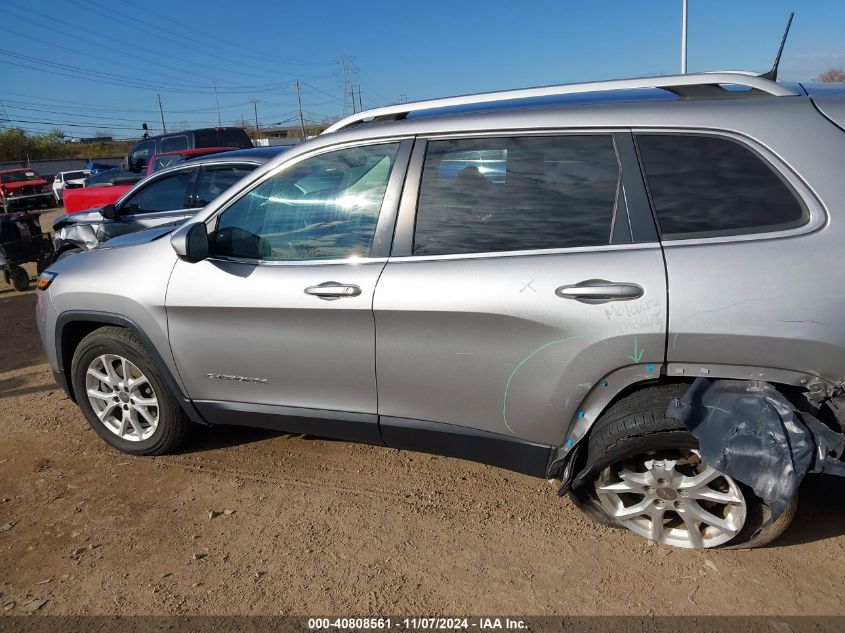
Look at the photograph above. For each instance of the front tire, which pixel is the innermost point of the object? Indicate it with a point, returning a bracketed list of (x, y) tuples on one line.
[(644, 474), (124, 396)]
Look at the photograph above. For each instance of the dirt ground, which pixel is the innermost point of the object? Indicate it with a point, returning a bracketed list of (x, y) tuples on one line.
[(255, 522)]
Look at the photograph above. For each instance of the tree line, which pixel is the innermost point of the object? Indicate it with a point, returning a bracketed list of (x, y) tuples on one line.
[(18, 145)]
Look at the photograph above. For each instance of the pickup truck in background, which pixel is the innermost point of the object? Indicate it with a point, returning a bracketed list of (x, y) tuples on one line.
[(139, 157), (24, 188)]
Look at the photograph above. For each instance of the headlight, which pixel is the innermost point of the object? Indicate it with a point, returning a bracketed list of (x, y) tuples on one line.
[(45, 279)]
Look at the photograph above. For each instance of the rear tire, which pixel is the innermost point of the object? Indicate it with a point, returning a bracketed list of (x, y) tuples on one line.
[(135, 411), (642, 474)]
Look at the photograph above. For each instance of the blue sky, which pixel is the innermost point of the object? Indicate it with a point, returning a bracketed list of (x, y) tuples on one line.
[(86, 65)]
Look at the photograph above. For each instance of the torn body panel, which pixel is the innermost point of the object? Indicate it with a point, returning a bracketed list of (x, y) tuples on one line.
[(589, 410), (749, 431), (75, 235)]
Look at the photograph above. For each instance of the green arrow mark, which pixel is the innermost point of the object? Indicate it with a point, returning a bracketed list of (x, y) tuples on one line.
[(637, 356)]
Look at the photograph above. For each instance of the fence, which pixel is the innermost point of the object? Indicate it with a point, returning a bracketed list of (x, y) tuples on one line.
[(49, 167)]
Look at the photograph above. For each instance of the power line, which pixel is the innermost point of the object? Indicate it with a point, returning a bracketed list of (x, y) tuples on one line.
[(129, 64), (150, 87), (83, 72), (72, 114), (218, 41), (83, 125), (192, 63), (137, 24)]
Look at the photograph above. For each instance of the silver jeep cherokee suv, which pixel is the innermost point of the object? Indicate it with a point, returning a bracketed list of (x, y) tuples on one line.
[(527, 279)]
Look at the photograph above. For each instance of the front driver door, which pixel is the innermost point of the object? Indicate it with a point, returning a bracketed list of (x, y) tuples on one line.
[(163, 200), (276, 327)]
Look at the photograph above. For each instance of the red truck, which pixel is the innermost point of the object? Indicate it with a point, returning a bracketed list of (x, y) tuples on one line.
[(99, 196), (23, 188)]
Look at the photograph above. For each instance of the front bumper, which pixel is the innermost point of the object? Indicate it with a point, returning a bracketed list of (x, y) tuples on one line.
[(29, 201)]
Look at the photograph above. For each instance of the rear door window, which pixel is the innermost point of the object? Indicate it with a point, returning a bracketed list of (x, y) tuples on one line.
[(707, 186), (517, 193), (214, 180)]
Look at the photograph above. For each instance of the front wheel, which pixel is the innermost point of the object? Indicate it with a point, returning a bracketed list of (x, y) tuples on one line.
[(123, 394), (644, 474)]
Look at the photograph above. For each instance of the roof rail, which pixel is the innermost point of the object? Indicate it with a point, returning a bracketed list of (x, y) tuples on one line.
[(673, 83)]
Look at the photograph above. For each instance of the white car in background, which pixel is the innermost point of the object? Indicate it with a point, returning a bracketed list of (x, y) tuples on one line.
[(69, 179)]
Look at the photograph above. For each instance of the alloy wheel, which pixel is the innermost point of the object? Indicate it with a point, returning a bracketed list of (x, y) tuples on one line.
[(122, 397), (673, 497)]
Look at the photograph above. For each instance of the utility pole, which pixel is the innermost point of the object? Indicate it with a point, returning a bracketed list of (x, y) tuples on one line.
[(214, 85), (255, 108), (301, 119), (161, 112), (684, 40), (360, 107)]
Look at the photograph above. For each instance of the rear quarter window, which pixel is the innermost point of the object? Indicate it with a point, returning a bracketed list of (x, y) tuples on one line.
[(223, 137), (707, 186)]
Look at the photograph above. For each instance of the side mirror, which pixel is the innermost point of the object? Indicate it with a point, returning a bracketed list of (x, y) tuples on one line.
[(109, 212), (190, 242)]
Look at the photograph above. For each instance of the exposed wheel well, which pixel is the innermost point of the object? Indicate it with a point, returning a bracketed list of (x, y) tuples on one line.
[(71, 335), (791, 392)]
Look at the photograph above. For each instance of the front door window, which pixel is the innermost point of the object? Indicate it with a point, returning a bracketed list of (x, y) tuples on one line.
[(325, 207)]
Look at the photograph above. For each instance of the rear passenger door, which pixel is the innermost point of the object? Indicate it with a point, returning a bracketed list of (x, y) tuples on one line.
[(525, 268)]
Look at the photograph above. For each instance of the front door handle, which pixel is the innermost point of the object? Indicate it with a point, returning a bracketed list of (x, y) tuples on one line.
[(331, 290), (600, 291)]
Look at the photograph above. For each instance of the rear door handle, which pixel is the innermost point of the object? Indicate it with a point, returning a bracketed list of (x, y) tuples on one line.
[(331, 290), (600, 291)]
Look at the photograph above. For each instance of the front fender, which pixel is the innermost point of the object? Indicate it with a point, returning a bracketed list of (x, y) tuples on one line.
[(80, 235)]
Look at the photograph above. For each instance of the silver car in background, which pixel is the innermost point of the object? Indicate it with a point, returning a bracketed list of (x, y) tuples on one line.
[(527, 279), (165, 199)]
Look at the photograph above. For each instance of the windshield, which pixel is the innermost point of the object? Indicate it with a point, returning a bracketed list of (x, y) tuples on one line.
[(75, 175), (19, 176)]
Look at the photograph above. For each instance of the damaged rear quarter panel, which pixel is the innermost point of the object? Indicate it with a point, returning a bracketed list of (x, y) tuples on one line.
[(770, 300)]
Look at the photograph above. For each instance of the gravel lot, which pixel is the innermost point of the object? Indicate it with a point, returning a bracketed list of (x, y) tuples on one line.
[(254, 522)]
